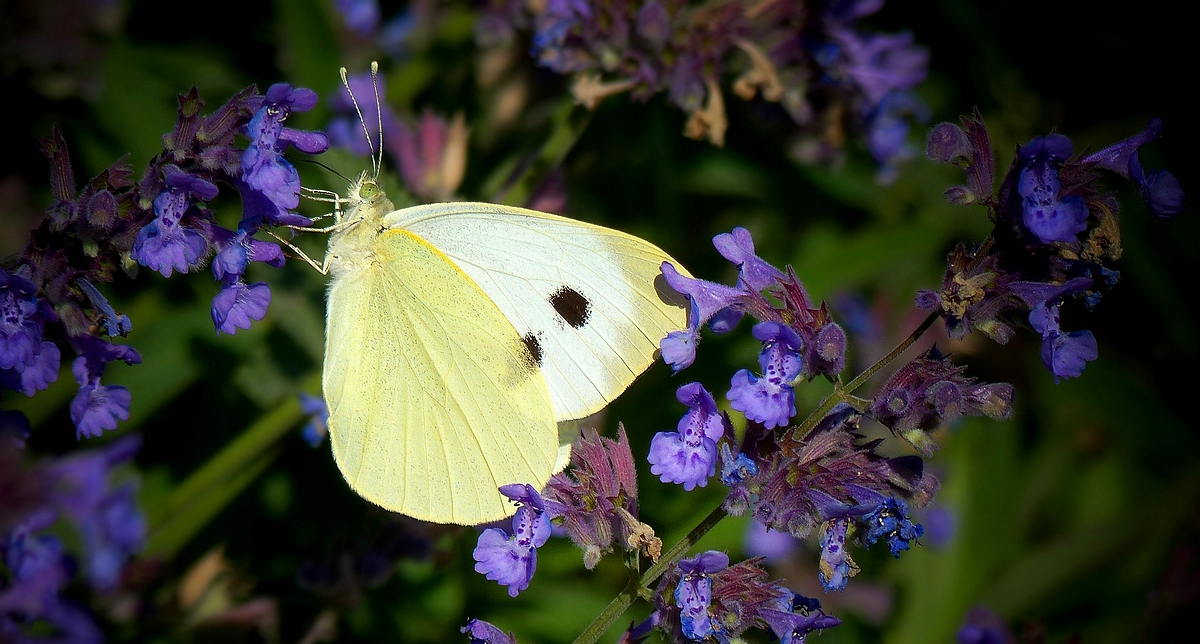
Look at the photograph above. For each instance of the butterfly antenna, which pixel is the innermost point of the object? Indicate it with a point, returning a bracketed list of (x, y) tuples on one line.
[(362, 121), (314, 161), (377, 163)]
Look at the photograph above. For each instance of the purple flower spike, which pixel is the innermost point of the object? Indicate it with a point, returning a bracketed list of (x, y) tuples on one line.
[(689, 456), (481, 632), (236, 305), (511, 561), (738, 248), (769, 400), (264, 168)]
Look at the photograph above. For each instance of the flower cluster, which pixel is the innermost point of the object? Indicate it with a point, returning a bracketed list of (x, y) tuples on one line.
[(105, 516), (705, 597), (1056, 232), (811, 59), (49, 297), (594, 502), (929, 392)]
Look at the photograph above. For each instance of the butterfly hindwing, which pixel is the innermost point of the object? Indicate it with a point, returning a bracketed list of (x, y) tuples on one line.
[(434, 399), (588, 301)]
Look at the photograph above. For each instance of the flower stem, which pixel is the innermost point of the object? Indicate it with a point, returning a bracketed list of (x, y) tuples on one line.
[(622, 601), (842, 393)]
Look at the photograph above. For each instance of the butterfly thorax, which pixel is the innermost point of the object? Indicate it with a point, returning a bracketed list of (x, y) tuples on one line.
[(351, 245)]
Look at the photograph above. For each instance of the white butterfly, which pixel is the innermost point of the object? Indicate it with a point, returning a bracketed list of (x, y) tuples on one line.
[(459, 335)]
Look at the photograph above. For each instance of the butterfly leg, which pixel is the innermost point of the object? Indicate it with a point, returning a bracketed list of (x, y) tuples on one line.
[(323, 268)]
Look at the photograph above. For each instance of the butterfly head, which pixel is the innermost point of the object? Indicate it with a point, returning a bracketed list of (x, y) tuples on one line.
[(366, 195)]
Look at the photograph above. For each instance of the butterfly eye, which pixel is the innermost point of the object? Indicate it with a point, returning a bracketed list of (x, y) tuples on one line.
[(369, 190)]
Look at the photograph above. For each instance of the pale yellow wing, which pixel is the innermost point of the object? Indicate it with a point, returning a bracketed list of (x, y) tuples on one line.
[(434, 400), (589, 299)]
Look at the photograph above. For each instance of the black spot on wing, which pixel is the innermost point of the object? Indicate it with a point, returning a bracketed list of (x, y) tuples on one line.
[(571, 306), (534, 346)]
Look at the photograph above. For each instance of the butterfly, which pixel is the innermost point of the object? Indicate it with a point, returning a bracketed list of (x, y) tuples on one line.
[(459, 336)]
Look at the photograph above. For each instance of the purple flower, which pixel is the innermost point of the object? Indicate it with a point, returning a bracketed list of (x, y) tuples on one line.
[(360, 16), (264, 168), (237, 250), (481, 632), (36, 376), (1049, 216), (1064, 354), (164, 245), (318, 425), (774, 546), (22, 317), (889, 521), (707, 298), (688, 456), (836, 566), (1159, 189), (693, 593), (738, 247), (112, 533), (679, 348), (736, 470), (236, 305), (984, 627), (878, 63), (511, 560), (98, 407), (769, 400), (795, 617), (36, 564), (114, 323)]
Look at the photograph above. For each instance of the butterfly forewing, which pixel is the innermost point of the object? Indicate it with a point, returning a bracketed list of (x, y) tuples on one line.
[(434, 398), (587, 301)]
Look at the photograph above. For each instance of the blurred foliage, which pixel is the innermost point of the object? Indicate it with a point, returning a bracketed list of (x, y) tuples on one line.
[(1077, 517)]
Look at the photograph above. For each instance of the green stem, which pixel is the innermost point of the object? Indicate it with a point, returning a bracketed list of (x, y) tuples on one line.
[(622, 601), (567, 125), (862, 378), (209, 489)]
